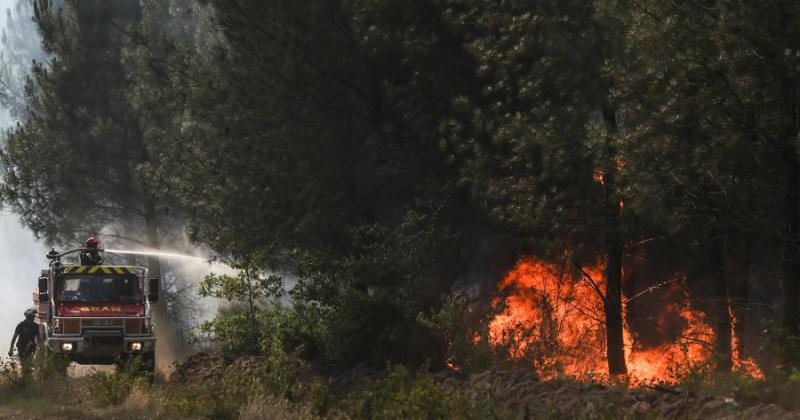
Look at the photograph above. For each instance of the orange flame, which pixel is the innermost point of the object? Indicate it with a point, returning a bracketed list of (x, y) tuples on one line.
[(553, 316)]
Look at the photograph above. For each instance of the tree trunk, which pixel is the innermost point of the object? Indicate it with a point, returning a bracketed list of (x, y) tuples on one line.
[(738, 260), (613, 301), (169, 346), (614, 248), (720, 308), (791, 265)]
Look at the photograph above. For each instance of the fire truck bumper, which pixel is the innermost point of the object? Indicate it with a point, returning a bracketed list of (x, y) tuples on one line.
[(100, 346)]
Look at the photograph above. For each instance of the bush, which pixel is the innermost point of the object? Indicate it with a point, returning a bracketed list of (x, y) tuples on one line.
[(275, 408), (225, 397), (416, 396), (777, 387), (107, 389), (208, 401), (469, 349), (464, 351), (46, 373)]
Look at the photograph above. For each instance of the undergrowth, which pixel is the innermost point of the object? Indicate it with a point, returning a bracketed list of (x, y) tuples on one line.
[(38, 377), (282, 389)]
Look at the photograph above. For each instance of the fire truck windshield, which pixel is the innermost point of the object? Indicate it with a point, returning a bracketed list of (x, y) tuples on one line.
[(107, 288)]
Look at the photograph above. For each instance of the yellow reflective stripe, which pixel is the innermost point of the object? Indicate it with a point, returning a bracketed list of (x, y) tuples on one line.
[(91, 269)]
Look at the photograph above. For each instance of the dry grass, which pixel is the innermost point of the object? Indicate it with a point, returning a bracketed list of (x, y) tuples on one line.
[(271, 407)]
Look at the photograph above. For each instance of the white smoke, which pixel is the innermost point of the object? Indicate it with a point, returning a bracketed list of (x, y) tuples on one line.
[(21, 259), (21, 256), (187, 264)]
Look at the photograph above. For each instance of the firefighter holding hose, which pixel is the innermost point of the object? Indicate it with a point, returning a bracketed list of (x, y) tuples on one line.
[(91, 255)]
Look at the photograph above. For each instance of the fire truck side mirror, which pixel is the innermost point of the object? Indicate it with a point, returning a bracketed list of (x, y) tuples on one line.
[(44, 296), (152, 289)]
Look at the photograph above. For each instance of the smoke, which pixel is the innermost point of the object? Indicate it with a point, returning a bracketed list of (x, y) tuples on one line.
[(21, 259), (183, 266), (21, 255)]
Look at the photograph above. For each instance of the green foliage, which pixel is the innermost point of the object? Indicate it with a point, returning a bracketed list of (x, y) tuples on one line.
[(465, 327), (48, 366), (692, 374), (416, 396), (108, 389), (368, 153), (533, 168), (213, 401), (785, 346), (241, 329), (19, 48), (33, 378), (740, 388), (277, 376), (364, 305), (70, 167), (234, 332), (464, 352)]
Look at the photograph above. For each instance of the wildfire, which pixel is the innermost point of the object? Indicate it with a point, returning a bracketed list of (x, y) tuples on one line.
[(551, 315)]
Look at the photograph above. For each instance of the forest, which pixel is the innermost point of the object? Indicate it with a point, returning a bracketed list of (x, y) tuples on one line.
[(590, 188)]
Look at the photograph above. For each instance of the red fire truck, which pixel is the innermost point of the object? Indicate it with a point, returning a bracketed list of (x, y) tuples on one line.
[(97, 314)]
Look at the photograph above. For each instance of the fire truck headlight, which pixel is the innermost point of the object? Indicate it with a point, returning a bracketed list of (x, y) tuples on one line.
[(136, 346), (67, 347)]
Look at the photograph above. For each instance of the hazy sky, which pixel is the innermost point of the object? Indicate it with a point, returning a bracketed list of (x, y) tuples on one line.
[(21, 257)]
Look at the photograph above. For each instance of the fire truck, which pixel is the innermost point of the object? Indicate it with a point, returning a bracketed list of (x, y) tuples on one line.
[(97, 314)]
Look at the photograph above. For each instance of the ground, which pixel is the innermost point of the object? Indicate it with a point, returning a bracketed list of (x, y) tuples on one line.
[(516, 394)]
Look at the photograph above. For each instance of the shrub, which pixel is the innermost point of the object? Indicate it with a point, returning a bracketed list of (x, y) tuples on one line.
[(107, 389), (46, 374), (417, 396)]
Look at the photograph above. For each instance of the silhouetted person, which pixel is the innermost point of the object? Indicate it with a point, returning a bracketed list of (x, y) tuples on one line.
[(26, 336)]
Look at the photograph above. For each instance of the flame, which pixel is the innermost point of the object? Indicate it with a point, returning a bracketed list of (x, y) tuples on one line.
[(552, 315), (742, 364), (599, 177), (452, 365)]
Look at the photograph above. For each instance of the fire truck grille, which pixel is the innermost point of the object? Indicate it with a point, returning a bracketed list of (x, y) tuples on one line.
[(72, 326), (134, 326), (103, 340), (102, 323)]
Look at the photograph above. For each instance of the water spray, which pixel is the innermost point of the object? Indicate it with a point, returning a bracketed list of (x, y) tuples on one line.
[(213, 262), (163, 254), (171, 348), (210, 261)]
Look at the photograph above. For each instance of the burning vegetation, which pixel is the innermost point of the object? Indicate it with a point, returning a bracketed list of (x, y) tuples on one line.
[(551, 314)]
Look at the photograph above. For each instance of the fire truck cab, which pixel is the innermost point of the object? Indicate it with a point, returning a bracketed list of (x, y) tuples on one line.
[(97, 314)]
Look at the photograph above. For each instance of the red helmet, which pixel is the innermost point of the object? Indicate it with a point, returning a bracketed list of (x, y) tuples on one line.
[(92, 241)]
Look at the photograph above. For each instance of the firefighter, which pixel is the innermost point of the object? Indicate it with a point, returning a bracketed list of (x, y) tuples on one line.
[(28, 333), (90, 255)]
